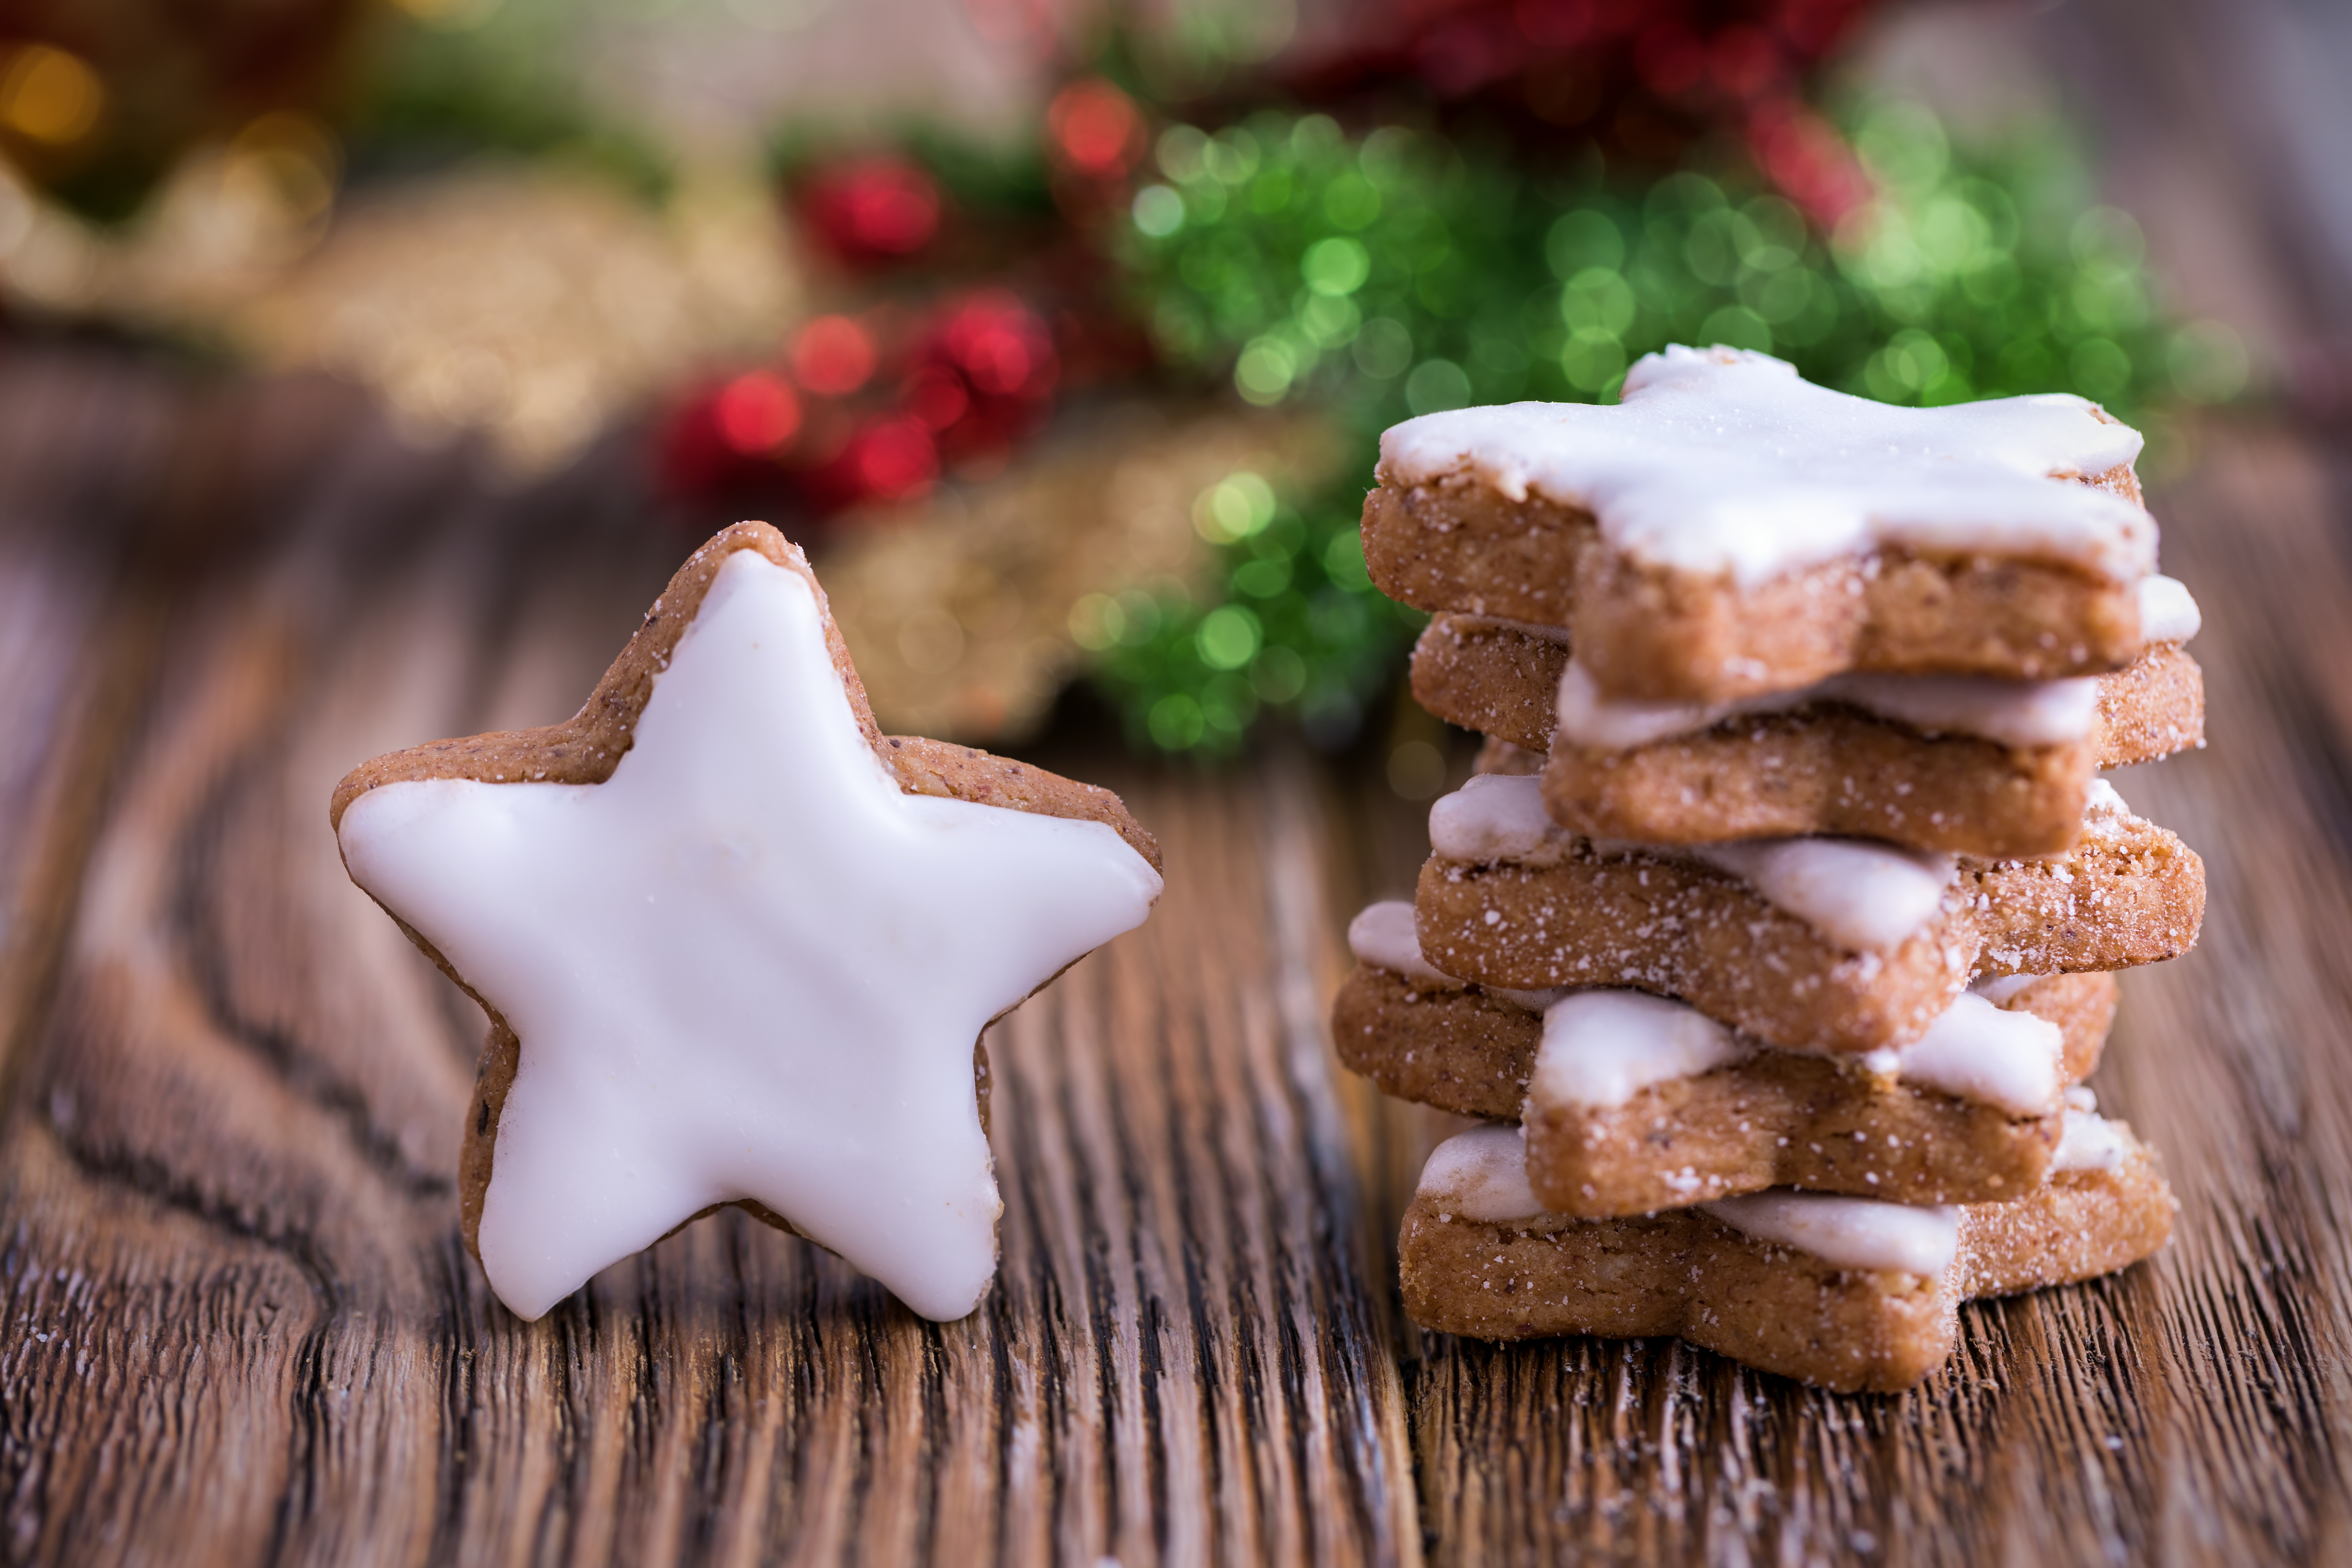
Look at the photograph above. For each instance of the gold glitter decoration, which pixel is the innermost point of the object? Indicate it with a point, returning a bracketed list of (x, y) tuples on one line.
[(532, 306), (228, 223), (958, 610)]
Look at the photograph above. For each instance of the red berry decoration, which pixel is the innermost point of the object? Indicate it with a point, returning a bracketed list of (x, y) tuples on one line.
[(871, 210)]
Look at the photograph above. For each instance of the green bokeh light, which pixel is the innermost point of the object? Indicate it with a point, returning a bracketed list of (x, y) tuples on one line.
[(1401, 273)]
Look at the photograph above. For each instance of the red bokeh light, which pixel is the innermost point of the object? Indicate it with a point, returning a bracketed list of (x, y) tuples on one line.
[(873, 209), (1806, 157), (833, 356), (1554, 24), (757, 413), (1095, 128), (1000, 346), (1669, 59), (936, 397), (1744, 62), (1465, 53), (895, 460)]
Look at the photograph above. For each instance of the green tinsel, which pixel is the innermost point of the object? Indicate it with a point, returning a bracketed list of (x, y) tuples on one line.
[(1401, 273)]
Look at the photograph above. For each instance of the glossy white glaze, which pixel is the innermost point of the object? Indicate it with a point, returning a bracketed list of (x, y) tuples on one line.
[(2090, 1143), (1481, 1175), (1602, 1047), (1861, 895), (1382, 936), (2013, 1061), (2021, 713), (1720, 461), (1848, 1232), (2166, 611), (747, 965)]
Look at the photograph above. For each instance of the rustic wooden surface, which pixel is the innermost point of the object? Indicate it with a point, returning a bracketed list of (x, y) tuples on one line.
[(237, 1325)]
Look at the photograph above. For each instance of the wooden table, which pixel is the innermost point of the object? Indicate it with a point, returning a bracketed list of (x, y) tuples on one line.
[(239, 1326)]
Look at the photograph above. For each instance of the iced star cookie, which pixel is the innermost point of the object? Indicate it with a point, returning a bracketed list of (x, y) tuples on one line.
[(1634, 1103), (1849, 1293), (1826, 944), (736, 945), (1953, 763), (1729, 529)]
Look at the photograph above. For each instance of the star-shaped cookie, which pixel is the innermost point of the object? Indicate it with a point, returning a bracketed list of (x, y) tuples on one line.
[(736, 945), (1729, 529)]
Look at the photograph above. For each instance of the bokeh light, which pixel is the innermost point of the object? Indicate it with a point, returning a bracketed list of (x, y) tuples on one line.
[(49, 95)]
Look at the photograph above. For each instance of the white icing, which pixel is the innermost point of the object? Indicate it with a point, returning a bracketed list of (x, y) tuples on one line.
[(2012, 712), (2166, 613), (1719, 461), (1583, 717), (1848, 1232), (2104, 811), (1481, 1175), (1869, 898), (1862, 896), (1979, 1052), (2000, 988), (2090, 1143), (1600, 1048), (745, 966), (1382, 936), (1493, 817)]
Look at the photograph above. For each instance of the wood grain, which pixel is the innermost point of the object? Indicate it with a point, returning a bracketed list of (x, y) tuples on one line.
[(237, 1325), (240, 1326), (240, 1323)]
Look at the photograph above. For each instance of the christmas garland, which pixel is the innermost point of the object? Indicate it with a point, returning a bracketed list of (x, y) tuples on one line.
[(1403, 272), (1489, 201), (1376, 274)]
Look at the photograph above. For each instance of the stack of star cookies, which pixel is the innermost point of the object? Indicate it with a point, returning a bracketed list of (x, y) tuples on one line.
[(1776, 934)]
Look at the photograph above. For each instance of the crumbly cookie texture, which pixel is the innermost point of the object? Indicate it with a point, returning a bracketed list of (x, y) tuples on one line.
[(1764, 1302), (1776, 1118), (1825, 767), (1731, 530), (2128, 893), (587, 747)]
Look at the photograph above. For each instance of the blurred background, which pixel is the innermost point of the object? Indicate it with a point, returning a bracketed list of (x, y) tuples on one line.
[(1062, 333)]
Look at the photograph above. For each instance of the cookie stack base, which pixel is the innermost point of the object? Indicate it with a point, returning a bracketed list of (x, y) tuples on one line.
[(1685, 1273), (1776, 1118)]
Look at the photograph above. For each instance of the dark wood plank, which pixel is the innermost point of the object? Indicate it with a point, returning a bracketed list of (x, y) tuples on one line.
[(68, 670), (241, 1325)]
